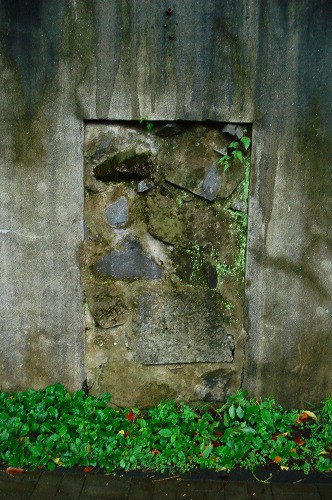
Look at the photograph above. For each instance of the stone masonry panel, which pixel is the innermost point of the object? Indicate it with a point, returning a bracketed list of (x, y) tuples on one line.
[(163, 258)]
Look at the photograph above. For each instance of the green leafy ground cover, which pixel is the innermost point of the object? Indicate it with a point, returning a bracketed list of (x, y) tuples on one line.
[(52, 427)]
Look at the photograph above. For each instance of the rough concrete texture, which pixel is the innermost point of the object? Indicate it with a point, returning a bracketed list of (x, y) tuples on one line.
[(261, 62), (174, 276)]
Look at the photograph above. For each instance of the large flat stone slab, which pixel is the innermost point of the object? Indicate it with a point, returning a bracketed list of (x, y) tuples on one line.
[(191, 162), (181, 327)]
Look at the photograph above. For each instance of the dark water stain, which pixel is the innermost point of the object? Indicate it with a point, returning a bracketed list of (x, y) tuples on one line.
[(30, 35)]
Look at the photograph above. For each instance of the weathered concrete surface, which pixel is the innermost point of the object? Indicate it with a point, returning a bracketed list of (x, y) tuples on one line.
[(289, 307), (266, 62), (41, 204)]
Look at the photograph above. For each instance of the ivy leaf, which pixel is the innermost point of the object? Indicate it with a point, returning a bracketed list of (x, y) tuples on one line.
[(207, 451), (245, 141), (50, 465), (266, 417), (239, 412), (248, 430), (62, 430), (223, 159), (25, 429), (238, 155), (165, 432), (53, 412), (233, 145), (231, 412)]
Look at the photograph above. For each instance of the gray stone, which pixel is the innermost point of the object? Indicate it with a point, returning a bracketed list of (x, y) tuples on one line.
[(239, 206), (181, 327), (117, 213), (210, 186), (144, 185), (85, 230), (169, 130), (129, 263), (229, 128), (220, 151), (102, 148), (239, 131)]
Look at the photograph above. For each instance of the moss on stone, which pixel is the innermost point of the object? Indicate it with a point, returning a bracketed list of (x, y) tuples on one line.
[(125, 165)]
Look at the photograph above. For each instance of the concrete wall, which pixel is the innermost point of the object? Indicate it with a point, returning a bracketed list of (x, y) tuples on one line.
[(263, 62)]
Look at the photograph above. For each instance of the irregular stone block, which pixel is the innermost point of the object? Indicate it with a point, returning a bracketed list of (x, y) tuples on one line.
[(107, 304), (239, 206), (239, 131), (102, 148), (144, 185), (199, 272), (181, 327), (163, 218), (213, 385), (210, 186), (208, 239), (148, 384), (192, 164), (169, 130), (117, 213), (126, 164), (129, 263), (229, 128)]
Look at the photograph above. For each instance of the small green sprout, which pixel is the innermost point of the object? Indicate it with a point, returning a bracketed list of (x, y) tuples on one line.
[(149, 125), (236, 153)]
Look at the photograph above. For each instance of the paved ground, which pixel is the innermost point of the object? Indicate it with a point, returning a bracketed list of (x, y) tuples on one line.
[(71, 486)]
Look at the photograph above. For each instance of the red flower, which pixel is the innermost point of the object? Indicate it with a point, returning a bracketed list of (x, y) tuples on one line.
[(130, 416), (154, 451)]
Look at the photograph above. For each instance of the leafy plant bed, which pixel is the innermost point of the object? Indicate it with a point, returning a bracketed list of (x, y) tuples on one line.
[(51, 428)]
